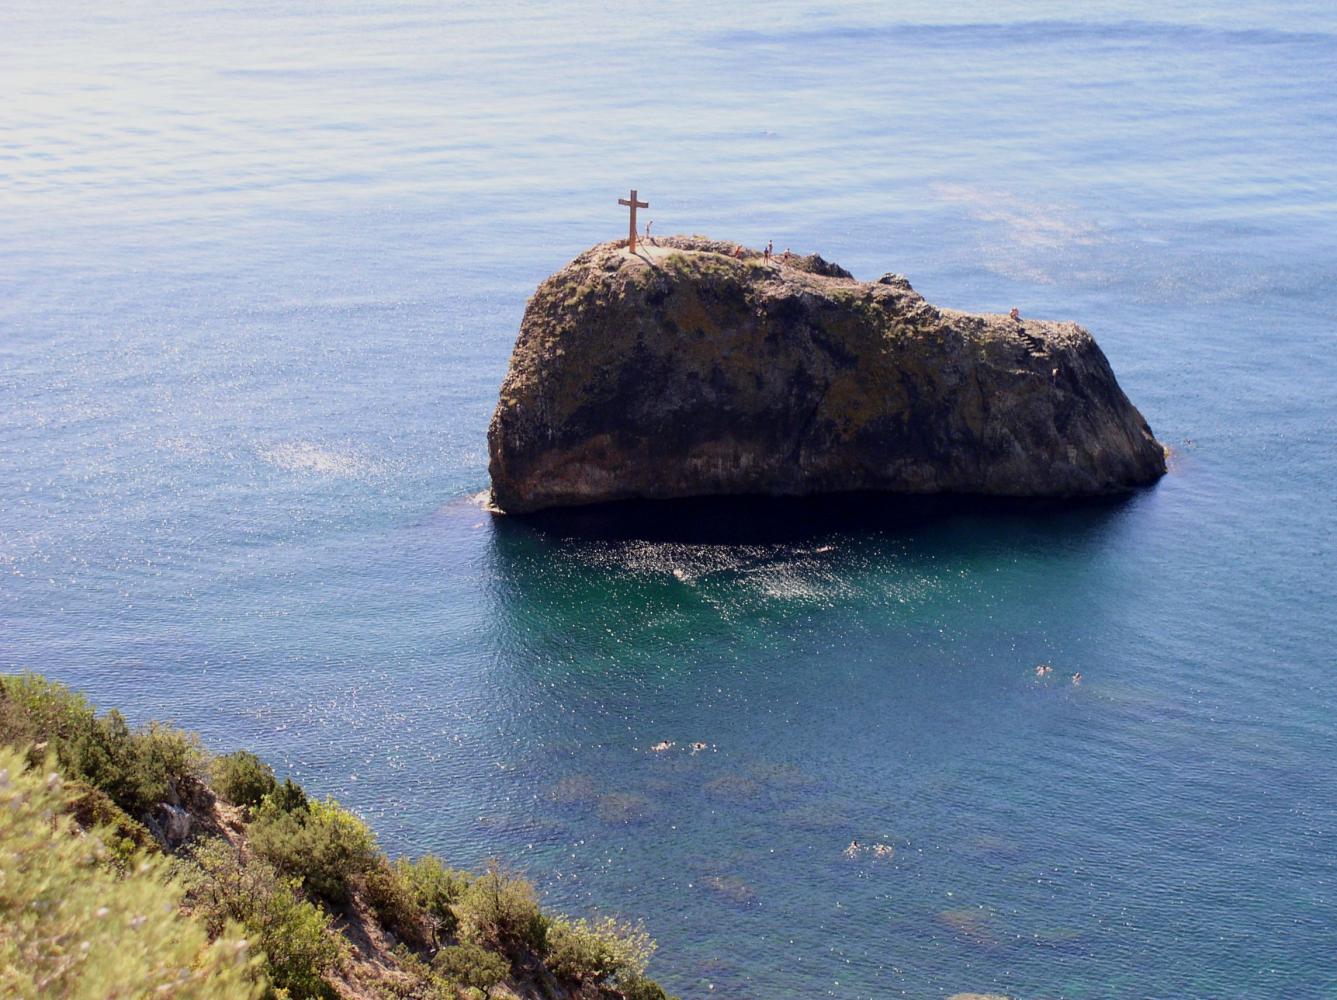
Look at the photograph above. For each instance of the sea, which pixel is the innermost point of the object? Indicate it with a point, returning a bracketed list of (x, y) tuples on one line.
[(262, 265)]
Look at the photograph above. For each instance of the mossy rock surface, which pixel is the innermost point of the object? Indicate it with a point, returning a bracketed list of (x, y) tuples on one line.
[(696, 368)]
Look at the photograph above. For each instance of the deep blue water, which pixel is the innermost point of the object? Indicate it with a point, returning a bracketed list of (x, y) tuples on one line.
[(261, 267)]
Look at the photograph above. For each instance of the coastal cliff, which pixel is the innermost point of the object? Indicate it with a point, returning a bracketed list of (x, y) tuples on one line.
[(695, 368)]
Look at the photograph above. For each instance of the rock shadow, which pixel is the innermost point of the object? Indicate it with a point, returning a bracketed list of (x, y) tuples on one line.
[(763, 520)]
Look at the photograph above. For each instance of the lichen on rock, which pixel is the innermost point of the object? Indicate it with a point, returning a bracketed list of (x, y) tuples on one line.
[(694, 368)]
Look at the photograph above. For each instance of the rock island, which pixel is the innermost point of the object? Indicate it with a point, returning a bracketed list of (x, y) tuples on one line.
[(694, 367)]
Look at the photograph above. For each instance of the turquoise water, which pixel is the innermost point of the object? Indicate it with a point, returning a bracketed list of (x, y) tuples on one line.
[(261, 267)]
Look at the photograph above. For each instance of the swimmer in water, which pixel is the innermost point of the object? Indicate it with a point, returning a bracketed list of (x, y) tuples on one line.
[(1043, 670), (1077, 678), (698, 747), (853, 850), (883, 850), (661, 746)]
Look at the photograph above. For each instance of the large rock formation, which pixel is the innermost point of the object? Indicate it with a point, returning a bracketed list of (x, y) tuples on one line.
[(686, 370)]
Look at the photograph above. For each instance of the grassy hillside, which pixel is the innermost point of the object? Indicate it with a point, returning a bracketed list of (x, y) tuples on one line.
[(143, 865)]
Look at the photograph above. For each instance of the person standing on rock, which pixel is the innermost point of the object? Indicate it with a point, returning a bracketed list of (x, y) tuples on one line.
[(1015, 314)]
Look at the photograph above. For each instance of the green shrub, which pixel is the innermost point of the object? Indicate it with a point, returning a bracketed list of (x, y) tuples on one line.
[(287, 797), (53, 719), (299, 946), (137, 770), (499, 910), (436, 889), (416, 980), (124, 837), (586, 952), (243, 779), (396, 905), (71, 928), (323, 845), (467, 966), (169, 765), (641, 988), (34, 710)]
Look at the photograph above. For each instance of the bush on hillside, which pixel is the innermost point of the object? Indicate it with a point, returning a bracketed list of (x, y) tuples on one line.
[(391, 897), (287, 797), (500, 910), (136, 769), (243, 779), (125, 838), (71, 928), (323, 845), (299, 947), (53, 719), (466, 966), (436, 889), (641, 988), (170, 765), (586, 952)]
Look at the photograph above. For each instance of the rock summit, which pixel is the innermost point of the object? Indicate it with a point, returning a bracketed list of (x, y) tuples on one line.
[(693, 368)]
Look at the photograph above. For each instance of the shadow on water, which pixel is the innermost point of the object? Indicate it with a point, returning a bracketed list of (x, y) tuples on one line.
[(637, 582), (759, 520)]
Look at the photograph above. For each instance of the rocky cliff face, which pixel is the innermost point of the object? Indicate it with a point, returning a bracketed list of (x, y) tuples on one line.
[(686, 370)]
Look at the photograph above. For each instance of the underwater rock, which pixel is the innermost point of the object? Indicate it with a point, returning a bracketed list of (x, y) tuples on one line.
[(623, 808), (686, 370), (733, 788), (731, 888), (573, 789), (974, 925)]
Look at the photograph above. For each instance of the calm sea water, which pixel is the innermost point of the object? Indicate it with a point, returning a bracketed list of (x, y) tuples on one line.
[(261, 267)]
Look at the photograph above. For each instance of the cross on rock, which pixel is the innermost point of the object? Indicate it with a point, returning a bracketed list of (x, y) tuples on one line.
[(633, 204)]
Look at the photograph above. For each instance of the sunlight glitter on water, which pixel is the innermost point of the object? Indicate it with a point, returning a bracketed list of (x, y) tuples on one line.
[(262, 270)]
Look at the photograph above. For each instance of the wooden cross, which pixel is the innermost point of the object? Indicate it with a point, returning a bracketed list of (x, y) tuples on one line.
[(633, 204)]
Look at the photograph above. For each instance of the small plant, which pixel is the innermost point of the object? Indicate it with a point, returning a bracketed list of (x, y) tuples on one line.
[(125, 838), (586, 952), (392, 896), (500, 910), (467, 966), (288, 797), (169, 765), (436, 889), (243, 779), (323, 845), (641, 988)]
